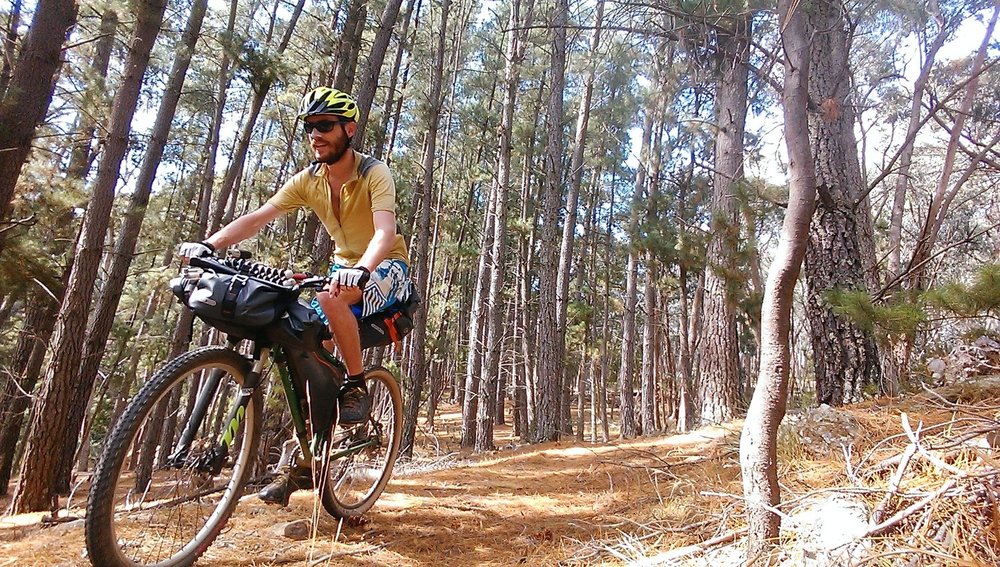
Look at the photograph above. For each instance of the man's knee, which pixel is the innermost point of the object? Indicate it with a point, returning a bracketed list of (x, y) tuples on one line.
[(339, 305)]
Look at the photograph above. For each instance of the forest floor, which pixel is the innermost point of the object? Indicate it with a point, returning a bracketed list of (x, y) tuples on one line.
[(565, 503)]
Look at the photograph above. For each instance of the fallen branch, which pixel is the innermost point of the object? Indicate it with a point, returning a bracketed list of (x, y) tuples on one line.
[(911, 551), (927, 454), (894, 482), (326, 558), (905, 512), (675, 554)]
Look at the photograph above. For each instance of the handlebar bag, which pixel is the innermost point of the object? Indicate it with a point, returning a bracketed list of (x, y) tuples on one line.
[(237, 299)]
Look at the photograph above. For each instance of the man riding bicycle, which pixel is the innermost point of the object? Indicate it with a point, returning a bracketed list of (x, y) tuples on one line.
[(354, 197)]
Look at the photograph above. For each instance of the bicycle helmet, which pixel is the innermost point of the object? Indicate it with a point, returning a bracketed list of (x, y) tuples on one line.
[(326, 100)]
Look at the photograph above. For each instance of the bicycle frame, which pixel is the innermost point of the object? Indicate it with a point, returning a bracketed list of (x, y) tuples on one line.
[(217, 457)]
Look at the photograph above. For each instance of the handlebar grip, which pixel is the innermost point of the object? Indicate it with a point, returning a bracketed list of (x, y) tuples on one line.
[(211, 263)]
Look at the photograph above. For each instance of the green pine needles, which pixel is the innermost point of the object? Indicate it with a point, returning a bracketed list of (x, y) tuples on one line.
[(980, 297), (906, 312)]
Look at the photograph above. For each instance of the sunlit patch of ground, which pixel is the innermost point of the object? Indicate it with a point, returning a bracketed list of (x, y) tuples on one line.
[(549, 504)]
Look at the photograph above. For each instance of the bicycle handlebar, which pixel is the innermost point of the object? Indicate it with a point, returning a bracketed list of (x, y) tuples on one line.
[(241, 264)]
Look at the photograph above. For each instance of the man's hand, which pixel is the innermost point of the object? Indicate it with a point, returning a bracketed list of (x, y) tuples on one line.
[(196, 249), (350, 277)]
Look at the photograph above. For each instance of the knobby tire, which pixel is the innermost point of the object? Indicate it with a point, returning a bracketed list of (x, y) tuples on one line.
[(173, 517)]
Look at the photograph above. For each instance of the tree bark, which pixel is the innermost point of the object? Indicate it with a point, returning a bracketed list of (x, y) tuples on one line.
[(719, 379), (551, 337), (103, 315), (758, 442), (29, 92), (845, 356), (44, 458), (421, 265)]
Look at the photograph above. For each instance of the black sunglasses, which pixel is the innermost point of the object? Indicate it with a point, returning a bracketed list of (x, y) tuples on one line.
[(323, 126)]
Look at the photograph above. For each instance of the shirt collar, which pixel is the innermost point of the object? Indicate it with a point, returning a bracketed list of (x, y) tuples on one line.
[(318, 168)]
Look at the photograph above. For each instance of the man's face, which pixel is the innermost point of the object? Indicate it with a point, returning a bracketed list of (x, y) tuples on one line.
[(329, 146)]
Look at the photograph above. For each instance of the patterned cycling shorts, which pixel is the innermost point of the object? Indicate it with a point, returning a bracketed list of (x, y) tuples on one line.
[(389, 283)]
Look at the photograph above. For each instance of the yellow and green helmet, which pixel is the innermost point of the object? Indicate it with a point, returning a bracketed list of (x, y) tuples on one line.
[(326, 100)]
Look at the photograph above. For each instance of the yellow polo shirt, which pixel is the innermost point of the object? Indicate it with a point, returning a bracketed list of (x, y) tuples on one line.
[(370, 189)]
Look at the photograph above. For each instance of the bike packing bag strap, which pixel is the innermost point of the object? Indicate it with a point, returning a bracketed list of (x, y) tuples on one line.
[(228, 306)]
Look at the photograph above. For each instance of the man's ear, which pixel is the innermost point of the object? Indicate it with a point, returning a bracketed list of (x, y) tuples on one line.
[(350, 128)]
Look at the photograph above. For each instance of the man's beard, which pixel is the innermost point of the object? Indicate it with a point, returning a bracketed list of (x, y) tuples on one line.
[(336, 154)]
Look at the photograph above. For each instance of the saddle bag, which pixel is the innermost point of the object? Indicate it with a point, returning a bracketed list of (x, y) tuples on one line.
[(390, 326)]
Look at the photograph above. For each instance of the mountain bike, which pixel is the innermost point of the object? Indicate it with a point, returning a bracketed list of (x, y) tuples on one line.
[(175, 464)]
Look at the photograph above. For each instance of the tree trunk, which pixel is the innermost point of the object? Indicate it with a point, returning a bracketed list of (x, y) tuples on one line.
[(845, 356), (476, 333), (527, 318), (379, 135), (103, 315), (82, 156), (26, 364), (573, 199), (915, 273), (421, 266), (9, 45), (373, 67), (497, 241), (212, 142), (647, 374), (719, 379), (45, 457), (626, 403), (551, 337), (906, 152), (945, 191), (758, 442), (348, 47), (29, 92), (261, 86)]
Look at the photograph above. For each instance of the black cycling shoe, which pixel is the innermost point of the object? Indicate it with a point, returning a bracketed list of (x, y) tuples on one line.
[(355, 403), (289, 479)]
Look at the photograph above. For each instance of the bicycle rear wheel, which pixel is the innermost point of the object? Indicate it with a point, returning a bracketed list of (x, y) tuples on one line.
[(353, 482), (153, 504)]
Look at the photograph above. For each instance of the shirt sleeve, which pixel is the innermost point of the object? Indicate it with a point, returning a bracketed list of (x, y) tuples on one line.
[(291, 195), (383, 189)]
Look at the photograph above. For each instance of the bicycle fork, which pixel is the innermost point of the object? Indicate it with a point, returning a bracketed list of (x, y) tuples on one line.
[(213, 460)]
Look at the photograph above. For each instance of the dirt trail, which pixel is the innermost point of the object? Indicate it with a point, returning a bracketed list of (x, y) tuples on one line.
[(549, 504)]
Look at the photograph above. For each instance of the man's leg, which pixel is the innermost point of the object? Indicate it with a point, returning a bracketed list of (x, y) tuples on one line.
[(353, 399), (344, 326)]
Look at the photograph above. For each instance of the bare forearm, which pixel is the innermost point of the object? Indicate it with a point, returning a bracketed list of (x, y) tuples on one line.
[(243, 228), (377, 250)]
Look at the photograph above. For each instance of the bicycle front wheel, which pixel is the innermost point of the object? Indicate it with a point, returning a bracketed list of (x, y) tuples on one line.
[(366, 451), (157, 499)]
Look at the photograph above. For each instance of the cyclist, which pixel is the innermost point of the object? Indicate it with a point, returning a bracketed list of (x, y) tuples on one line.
[(354, 197)]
